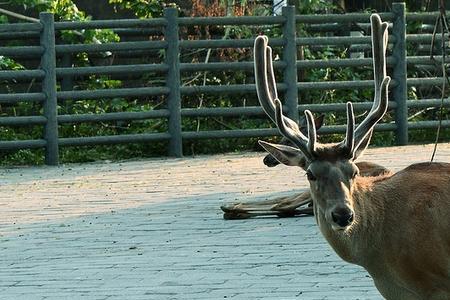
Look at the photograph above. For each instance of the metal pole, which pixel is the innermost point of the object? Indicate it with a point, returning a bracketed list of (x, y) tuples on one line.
[(48, 65), (400, 92), (290, 57), (173, 82)]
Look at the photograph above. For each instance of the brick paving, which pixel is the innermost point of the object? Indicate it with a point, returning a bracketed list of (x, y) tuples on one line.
[(152, 229)]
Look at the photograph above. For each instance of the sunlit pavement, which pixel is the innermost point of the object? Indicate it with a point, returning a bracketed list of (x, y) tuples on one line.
[(152, 229)]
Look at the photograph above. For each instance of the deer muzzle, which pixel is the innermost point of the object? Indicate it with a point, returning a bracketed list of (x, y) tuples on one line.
[(342, 217)]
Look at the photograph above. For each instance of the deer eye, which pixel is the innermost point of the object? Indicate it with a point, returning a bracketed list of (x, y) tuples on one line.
[(355, 172), (310, 176)]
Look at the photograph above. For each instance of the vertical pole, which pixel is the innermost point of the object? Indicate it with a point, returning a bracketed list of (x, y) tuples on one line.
[(173, 82), (400, 91), (48, 65), (290, 58)]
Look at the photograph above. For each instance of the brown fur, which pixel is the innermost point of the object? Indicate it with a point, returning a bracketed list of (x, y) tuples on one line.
[(368, 169), (401, 233)]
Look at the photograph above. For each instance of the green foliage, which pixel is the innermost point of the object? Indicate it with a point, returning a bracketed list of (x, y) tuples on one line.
[(7, 63), (22, 157), (313, 6), (66, 10), (3, 19), (38, 5), (141, 8)]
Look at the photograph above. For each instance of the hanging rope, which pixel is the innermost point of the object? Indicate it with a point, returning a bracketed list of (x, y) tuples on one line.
[(441, 21)]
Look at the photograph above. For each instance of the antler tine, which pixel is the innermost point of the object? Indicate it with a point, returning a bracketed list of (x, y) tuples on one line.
[(265, 80), (312, 135), (272, 84), (380, 103), (292, 135), (379, 45), (262, 86), (349, 136), (272, 87), (267, 95)]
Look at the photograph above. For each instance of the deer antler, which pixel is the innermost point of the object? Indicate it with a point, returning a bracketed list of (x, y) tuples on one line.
[(268, 98), (380, 103), (267, 95)]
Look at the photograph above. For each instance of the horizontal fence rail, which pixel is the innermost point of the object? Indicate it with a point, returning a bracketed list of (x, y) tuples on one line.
[(171, 67)]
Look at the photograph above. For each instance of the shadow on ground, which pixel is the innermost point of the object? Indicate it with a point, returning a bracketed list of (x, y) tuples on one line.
[(180, 249)]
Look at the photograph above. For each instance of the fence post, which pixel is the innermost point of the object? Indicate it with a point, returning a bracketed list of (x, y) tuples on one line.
[(48, 65), (400, 91), (173, 81), (290, 58)]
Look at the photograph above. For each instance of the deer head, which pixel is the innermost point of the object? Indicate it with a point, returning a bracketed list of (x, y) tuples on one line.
[(330, 168)]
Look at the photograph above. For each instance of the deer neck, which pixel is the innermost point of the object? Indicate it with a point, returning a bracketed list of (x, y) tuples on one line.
[(359, 241)]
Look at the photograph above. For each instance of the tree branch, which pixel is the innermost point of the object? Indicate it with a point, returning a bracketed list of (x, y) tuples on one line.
[(18, 16)]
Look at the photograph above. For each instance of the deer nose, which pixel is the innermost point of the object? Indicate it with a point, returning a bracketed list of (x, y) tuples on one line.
[(342, 216)]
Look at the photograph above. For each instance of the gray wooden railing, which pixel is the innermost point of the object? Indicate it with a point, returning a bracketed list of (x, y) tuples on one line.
[(171, 67)]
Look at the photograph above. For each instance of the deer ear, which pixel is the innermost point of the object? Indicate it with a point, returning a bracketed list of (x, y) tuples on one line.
[(363, 145), (304, 125), (286, 155), (319, 121)]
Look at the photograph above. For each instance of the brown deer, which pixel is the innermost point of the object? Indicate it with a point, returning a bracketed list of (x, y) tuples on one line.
[(396, 226), (289, 206), (297, 204)]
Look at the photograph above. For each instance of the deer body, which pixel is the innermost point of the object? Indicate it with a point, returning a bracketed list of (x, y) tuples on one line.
[(395, 226), (386, 212)]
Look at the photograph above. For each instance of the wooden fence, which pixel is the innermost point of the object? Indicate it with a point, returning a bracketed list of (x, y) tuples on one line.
[(173, 90)]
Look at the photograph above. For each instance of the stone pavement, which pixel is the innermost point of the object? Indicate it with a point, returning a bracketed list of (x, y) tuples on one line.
[(153, 229)]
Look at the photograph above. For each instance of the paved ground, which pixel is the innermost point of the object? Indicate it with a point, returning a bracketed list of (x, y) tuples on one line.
[(153, 229)]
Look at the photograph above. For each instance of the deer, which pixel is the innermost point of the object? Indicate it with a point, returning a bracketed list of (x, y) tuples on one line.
[(396, 225), (299, 204), (293, 205)]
